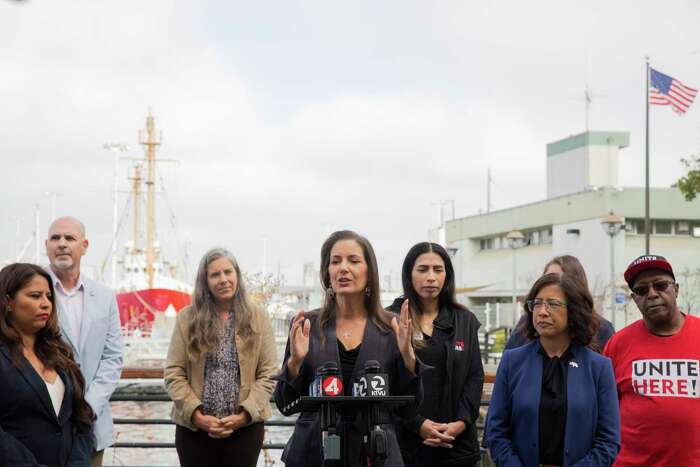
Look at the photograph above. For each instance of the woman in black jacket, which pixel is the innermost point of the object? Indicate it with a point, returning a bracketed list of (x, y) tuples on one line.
[(44, 418), (350, 329), (445, 337)]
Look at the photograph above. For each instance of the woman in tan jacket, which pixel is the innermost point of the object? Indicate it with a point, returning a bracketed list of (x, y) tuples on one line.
[(219, 368)]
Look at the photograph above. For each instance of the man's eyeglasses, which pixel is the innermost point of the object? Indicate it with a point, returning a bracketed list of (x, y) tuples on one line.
[(551, 304), (659, 286)]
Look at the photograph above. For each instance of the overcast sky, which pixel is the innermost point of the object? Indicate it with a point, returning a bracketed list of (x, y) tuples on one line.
[(293, 119)]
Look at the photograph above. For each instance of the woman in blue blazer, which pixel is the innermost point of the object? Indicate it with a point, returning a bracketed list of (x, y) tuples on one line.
[(44, 418), (554, 401)]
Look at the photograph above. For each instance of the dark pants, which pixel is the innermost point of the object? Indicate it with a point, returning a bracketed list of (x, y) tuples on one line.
[(241, 449), (427, 456)]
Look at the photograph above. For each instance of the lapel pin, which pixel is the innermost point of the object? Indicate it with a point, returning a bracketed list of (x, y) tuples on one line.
[(573, 364)]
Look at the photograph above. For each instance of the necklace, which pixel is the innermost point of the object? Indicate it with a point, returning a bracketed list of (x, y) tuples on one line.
[(345, 334)]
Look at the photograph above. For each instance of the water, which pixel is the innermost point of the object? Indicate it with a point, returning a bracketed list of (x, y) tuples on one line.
[(166, 433), (158, 457), (161, 457)]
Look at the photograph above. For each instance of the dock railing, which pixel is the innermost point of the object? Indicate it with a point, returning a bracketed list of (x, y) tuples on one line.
[(157, 373)]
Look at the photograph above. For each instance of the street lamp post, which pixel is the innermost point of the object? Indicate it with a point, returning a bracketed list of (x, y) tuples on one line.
[(612, 225), (516, 240), (116, 148)]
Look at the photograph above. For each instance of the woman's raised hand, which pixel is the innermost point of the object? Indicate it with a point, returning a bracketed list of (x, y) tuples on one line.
[(403, 331), (298, 343)]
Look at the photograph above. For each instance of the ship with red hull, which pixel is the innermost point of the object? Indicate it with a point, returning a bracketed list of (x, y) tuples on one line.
[(150, 288), (138, 309)]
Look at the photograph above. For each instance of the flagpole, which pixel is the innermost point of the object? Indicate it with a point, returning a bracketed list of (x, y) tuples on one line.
[(647, 220)]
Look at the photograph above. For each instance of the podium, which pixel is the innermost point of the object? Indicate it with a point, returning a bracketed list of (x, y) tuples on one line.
[(374, 441)]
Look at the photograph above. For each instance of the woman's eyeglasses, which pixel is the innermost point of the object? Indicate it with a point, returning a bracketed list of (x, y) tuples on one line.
[(551, 304), (659, 286)]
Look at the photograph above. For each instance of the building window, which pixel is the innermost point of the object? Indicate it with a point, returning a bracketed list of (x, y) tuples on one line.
[(635, 226), (486, 243), (682, 228), (546, 236), (663, 227)]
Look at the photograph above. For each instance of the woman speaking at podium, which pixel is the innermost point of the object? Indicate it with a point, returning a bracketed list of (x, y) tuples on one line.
[(350, 328)]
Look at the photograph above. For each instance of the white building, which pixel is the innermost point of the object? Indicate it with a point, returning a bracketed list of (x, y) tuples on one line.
[(582, 189)]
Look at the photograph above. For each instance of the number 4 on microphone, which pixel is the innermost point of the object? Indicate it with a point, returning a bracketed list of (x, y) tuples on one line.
[(332, 386)]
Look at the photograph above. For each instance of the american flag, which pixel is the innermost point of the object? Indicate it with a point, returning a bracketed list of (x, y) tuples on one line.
[(669, 91)]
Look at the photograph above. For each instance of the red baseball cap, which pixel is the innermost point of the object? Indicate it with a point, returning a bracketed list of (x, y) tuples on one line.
[(644, 263)]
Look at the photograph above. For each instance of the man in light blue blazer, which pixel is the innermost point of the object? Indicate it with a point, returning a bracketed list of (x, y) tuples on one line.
[(89, 320)]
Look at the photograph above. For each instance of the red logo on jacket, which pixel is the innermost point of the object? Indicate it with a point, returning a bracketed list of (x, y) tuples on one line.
[(459, 345)]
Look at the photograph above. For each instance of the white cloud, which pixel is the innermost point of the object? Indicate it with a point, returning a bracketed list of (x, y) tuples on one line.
[(288, 132)]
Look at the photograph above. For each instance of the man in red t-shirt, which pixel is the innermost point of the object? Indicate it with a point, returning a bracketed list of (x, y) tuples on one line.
[(657, 370)]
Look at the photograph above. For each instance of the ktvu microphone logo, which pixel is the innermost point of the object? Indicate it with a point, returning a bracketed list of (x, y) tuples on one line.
[(372, 385)]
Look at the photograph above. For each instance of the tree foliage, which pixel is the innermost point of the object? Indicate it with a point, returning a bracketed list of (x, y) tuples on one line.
[(690, 184), (261, 287)]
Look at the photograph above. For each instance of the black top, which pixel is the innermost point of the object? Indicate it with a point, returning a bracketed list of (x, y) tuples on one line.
[(347, 365), (434, 354), (553, 407), (31, 433)]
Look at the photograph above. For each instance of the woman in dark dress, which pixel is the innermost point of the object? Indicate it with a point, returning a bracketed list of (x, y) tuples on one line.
[(44, 418), (350, 329), (445, 338)]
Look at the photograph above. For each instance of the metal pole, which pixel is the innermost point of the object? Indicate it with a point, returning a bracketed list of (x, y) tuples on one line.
[(647, 221), (515, 290), (488, 190), (37, 238), (612, 280), (115, 220)]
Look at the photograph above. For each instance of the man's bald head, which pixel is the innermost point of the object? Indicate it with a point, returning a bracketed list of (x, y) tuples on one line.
[(69, 220), (66, 244)]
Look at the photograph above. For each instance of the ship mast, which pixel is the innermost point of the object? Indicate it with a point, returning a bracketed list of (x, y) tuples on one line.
[(150, 142), (136, 191)]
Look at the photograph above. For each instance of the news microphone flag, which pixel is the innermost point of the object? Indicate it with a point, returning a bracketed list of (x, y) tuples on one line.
[(665, 90)]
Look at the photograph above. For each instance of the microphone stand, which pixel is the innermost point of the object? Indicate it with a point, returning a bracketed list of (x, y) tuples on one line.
[(375, 444)]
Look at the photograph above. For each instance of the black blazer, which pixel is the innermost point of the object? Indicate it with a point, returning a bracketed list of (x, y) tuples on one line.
[(30, 432), (304, 447)]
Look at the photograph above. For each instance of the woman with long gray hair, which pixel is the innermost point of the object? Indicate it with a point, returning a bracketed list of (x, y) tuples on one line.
[(219, 369)]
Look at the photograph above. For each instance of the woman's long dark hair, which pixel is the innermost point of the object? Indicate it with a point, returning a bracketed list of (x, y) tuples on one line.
[(583, 321), (375, 312), (446, 298), (49, 347), (571, 266)]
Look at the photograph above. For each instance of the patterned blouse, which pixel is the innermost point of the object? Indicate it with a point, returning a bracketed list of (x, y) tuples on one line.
[(222, 378)]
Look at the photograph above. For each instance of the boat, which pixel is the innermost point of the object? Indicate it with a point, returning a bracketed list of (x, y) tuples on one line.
[(149, 288)]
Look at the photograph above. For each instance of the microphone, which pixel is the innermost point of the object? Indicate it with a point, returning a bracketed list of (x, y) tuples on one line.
[(328, 381), (372, 383)]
